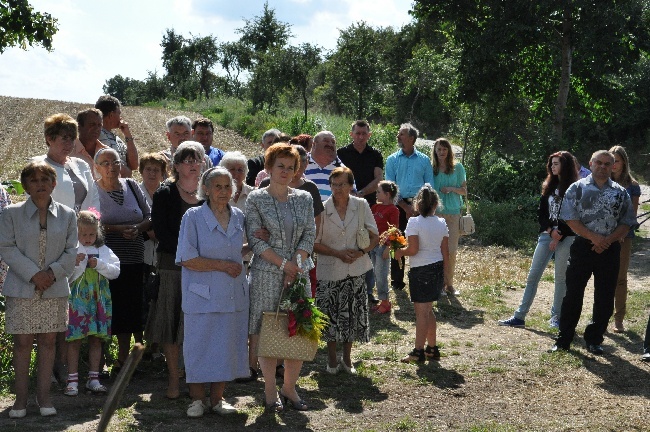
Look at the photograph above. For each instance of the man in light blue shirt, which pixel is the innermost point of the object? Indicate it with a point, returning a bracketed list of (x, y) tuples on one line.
[(410, 169)]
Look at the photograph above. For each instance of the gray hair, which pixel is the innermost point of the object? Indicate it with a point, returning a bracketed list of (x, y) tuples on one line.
[(208, 175), (324, 133), (106, 150), (234, 157), (274, 132), (599, 153), (411, 129), (179, 120), (304, 156)]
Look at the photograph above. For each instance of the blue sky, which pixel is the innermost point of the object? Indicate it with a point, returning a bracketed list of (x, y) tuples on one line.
[(98, 40)]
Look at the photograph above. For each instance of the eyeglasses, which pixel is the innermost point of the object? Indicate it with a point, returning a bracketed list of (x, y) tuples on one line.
[(107, 163), (190, 161)]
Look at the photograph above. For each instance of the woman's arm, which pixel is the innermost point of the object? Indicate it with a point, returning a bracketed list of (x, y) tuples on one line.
[(200, 264)]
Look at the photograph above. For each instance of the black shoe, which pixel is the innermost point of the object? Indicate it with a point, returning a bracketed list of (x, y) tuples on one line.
[(555, 348), (595, 349), (252, 377), (372, 299), (645, 357)]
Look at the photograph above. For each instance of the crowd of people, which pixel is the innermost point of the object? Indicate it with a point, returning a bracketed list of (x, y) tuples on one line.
[(227, 234)]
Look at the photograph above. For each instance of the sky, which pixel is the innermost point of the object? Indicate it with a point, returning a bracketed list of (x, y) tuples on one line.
[(98, 40)]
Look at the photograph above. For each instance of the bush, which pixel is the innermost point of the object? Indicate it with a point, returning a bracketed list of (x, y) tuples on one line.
[(511, 223)]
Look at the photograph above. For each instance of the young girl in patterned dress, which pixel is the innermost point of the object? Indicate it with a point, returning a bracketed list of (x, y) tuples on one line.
[(90, 306)]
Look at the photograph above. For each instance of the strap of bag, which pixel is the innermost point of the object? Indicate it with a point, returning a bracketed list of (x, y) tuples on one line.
[(361, 215), (128, 182)]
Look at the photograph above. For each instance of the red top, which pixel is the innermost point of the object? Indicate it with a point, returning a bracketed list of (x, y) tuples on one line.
[(385, 214)]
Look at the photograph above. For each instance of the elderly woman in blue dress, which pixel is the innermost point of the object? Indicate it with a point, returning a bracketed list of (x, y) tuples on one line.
[(288, 215), (215, 297)]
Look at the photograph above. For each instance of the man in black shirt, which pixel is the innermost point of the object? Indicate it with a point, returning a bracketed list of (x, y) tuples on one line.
[(366, 162), (256, 164)]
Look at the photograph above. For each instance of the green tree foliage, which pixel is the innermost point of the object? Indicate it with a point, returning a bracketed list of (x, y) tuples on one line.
[(265, 32), (235, 58), (20, 26)]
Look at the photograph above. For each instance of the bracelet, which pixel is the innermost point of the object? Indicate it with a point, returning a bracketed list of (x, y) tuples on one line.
[(284, 261)]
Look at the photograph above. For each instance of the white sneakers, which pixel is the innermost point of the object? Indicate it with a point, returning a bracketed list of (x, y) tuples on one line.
[(197, 408)]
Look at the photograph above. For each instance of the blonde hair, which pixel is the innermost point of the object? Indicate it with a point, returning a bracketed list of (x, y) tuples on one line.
[(91, 218), (624, 178)]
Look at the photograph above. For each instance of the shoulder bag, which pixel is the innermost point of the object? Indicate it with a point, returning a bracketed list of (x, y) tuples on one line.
[(466, 224), (363, 237)]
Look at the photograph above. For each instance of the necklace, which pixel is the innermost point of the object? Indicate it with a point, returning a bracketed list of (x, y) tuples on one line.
[(178, 185)]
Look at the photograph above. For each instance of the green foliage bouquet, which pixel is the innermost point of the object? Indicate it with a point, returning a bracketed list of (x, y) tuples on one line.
[(305, 319)]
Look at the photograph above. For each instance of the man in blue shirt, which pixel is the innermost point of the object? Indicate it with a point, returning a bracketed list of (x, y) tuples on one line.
[(203, 132), (410, 169), (600, 212)]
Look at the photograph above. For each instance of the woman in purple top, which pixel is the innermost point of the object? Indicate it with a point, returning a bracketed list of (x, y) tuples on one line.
[(125, 216)]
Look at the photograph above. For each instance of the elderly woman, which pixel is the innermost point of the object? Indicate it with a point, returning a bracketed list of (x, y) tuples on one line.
[(215, 293), (451, 184), (237, 164), (75, 187), (125, 216), (38, 239), (342, 265), (170, 202), (288, 216)]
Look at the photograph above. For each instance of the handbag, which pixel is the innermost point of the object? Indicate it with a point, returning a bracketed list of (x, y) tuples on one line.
[(152, 284), (275, 341), (466, 224), (363, 237)]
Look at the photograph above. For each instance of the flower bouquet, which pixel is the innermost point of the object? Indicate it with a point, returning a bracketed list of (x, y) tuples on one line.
[(394, 239), (304, 318)]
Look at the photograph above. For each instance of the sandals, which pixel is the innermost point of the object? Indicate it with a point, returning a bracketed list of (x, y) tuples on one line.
[(274, 407), (432, 352), (96, 387), (71, 389), (417, 355)]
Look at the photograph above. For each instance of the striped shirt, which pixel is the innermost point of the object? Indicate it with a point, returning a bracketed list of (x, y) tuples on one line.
[(321, 176)]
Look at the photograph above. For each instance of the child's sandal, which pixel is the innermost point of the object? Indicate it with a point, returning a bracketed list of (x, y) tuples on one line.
[(417, 355), (72, 388), (96, 387), (432, 352)]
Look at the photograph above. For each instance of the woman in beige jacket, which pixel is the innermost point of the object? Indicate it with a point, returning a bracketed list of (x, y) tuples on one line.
[(342, 264)]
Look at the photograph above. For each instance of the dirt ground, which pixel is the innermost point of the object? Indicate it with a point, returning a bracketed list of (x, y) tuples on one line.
[(490, 378)]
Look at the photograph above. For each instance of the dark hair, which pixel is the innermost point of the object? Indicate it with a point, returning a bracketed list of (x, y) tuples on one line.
[(185, 149), (107, 104), (280, 150), (87, 217), (450, 156), (153, 158), (81, 115), (203, 122), (568, 174), (301, 140), (426, 201), (58, 124), (34, 167), (390, 188), (342, 171), (282, 138), (360, 123)]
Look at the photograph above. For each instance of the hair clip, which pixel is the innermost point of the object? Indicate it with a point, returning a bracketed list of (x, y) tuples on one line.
[(95, 212)]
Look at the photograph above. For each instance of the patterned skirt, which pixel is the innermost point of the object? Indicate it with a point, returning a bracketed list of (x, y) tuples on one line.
[(36, 315), (90, 307), (346, 304)]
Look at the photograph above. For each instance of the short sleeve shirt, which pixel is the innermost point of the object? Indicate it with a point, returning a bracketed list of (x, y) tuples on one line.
[(601, 210), (431, 230), (111, 140)]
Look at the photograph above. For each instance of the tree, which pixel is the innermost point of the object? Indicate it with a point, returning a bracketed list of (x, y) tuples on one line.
[(204, 52), (235, 58), (264, 33), (535, 50), (20, 25), (300, 60)]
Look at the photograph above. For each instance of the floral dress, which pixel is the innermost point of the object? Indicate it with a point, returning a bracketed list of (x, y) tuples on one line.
[(90, 307)]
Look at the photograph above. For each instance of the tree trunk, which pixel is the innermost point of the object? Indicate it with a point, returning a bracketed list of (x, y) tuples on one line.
[(565, 79)]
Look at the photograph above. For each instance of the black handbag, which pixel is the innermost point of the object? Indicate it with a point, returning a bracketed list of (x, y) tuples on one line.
[(152, 285)]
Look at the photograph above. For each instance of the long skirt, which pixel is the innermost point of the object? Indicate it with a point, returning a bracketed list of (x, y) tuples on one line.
[(346, 304)]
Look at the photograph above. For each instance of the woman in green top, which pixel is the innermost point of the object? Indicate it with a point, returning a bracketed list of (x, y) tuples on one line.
[(450, 183)]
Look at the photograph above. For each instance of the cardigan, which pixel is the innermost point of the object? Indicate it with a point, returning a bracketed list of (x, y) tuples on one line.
[(64, 191), (19, 234), (339, 235)]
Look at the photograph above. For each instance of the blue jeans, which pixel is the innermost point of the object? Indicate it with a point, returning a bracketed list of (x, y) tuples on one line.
[(541, 257), (380, 273)]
